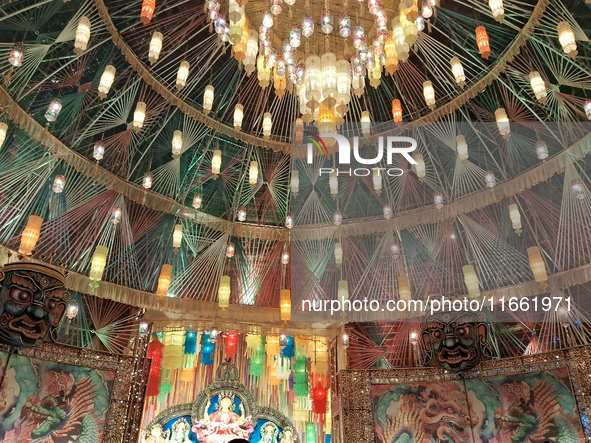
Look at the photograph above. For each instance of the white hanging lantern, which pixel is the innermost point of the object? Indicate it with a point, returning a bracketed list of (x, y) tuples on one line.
[(429, 94), (462, 147), (329, 79), (515, 217), (438, 200), (313, 81), (471, 281), (343, 291), (17, 55), (253, 174), (365, 123), (230, 250), (177, 236), (489, 179), (238, 116), (147, 180), (338, 253), (267, 125), (541, 149), (216, 163), (3, 131), (177, 143), (496, 7), (82, 36), (419, 166), (337, 218), (538, 85), (139, 115), (566, 37), (343, 84), (377, 181), (106, 81), (458, 71), (285, 258), (58, 184), (577, 188), (295, 182), (395, 250), (241, 213), (182, 75), (333, 183), (224, 292), (587, 109), (98, 152), (98, 264), (289, 220), (155, 47), (197, 200), (402, 47), (53, 111), (502, 122), (387, 212), (208, 98), (116, 215)]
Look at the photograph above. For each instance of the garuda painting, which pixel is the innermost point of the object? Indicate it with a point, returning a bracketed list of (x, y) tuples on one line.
[(47, 402), (536, 407)]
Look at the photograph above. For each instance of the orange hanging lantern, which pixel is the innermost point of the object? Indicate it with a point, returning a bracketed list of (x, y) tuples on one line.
[(397, 112), (483, 42), (148, 8)]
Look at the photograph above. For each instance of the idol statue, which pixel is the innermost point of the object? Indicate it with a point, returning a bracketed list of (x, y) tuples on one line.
[(155, 435), (32, 303), (180, 431), (224, 424), (269, 433), (287, 437)]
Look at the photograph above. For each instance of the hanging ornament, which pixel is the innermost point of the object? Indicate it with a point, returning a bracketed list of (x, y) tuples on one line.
[(267, 125), (148, 8), (143, 328), (30, 235), (391, 55), (230, 250), (17, 55), (220, 24), (164, 280), (182, 75), (155, 47), (241, 216), (343, 292), (289, 220), (458, 71), (154, 353), (365, 123), (462, 147), (438, 200), (285, 258), (387, 212), (97, 265), (377, 181), (58, 184), (538, 85), (307, 26), (496, 7), (419, 166), (224, 292), (139, 115), (483, 42), (345, 25), (541, 149), (577, 188), (276, 7), (338, 254), (566, 37), (208, 98), (177, 236), (268, 19), (116, 214), (327, 22), (285, 305), (253, 174), (538, 267), (429, 94), (345, 341), (147, 180), (53, 110), (82, 36), (471, 281), (515, 217), (106, 81), (216, 163), (333, 183), (238, 116), (503, 122), (98, 151), (413, 337), (231, 344), (395, 250), (337, 218), (177, 144), (489, 179), (587, 108), (397, 112), (404, 288), (426, 10)]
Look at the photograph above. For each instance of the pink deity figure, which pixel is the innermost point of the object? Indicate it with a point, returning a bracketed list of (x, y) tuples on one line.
[(224, 424)]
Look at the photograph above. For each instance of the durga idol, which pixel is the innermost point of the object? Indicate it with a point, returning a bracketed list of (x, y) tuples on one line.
[(224, 424)]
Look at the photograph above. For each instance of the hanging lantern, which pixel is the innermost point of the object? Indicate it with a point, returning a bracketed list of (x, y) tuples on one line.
[(268, 20), (587, 108), (82, 36), (231, 344), (263, 72), (420, 22), (197, 200), (402, 47), (409, 9), (164, 280), (333, 183), (285, 305), (116, 214), (241, 213), (289, 220), (224, 292), (311, 433), (213, 335), (358, 37), (295, 182), (426, 10), (30, 235), (438, 200), (155, 47), (365, 123), (387, 212), (148, 8), (208, 98), (139, 115), (397, 112), (515, 217), (267, 125), (252, 49), (413, 337), (220, 24), (98, 152), (106, 81), (541, 149), (53, 110), (307, 26), (337, 218), (143, 328), (216, 163), (276, 7), (155, 354), (97, 265), (182, 75), (536, 263), (177, 236), (471, 281), (429, 94), (483, 42), (329, 79), (230, 250), (72, 310), (147, 180), (566, 37), (502, 122), (238, 116), (538, 85), (377, 181), (391, 55), (327, 22), (3, 131), (489, 179), (404, 288), (419, 167), (58, 184), (338, 253), (462, 147), (577, 188), (285, 258), (395, 250), (177, 143), (458, 71), (343, 292), (17, 55), (345, 25), (496, 7), (299, 131)]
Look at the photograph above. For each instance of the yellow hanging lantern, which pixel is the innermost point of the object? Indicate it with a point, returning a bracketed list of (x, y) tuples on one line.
[(566, 37), (272, 348), (173, 352), (538, 85), (177, 143), (155, 47), (253, 341), (182, 75), (538, 267), (267, 125), (216, 163), (263, 72), (106, 81), (224, 292), (515, 217), (471, 281), (139, 115), (164, 280), (391, 55), (285, 305), (30, 235), (503, 122), (208, 98), (98, 264), (429, 94), (238, 116), (177, 236), (253, 174), (404, 288), (82, 36), (458, 71)]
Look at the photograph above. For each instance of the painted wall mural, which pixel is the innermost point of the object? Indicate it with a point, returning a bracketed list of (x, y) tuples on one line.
[(534, 407), (42, 401)]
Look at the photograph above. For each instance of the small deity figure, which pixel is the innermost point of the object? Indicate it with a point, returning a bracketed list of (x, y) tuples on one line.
[(155, 436), (269, 433), (287, 437), (180, 431), (224, 424)]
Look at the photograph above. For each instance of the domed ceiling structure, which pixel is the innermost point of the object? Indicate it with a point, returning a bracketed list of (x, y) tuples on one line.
[(98, 175)]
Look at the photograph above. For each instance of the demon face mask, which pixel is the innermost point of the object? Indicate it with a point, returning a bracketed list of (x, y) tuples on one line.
[(32, 303)]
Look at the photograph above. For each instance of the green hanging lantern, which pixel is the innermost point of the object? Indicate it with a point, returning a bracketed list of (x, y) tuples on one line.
[(311, 433)]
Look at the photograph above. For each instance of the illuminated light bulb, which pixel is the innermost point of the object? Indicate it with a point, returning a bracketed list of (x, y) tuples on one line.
[(343, 291), (72, 310), (224, 292), (541, 149), (208, 98), (327, 22), (268, 19), (230, 250), (53, 111), (338, 253), (106, 81), (496, 7), (538, 85), (365, 123), (82, 36), (285, 258), (387, 212), (419, 167), (345, 341), (471, 281), (307, 26), (164, 280), (177, 143), (577, 188), (429, 94), (253, 174), (147, 180), (155, 47), (98, 264), (462, 147), (502, 122), (267, 125), (289, 220), (395, 250), (295, 182), (139, 115), (143, 328), (30, 235), (397, 112), (285, 306), (337, 218), (17, 55), (458, 71), (177, 236), (116, 214), (566, 37), (238, 116), (345, 25), (438, 200), (148, 8), (483, 42), (197, 200), (404, 288), (58, 184), (276, 7), (426, 10), (182, 75), (377, 181), (489, 179), (216, 163), (333, 183), (587, 109), (537, 265), (241, 213), (515, 217)]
